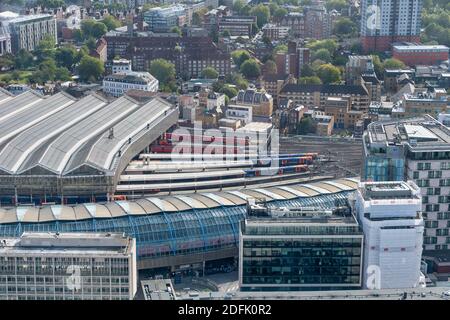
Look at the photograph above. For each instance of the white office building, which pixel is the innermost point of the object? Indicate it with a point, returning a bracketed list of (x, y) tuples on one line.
[(68, 266), (119, 83), (390, 214)]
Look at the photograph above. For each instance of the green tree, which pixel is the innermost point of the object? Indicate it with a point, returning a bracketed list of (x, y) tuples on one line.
[(210, 73), (163, 70), (225, 34), (67, 56), (250, 69), (262, 14), (280, 12), (90, 43), (281, 48), (176, 29), (238, 80), (50, 4), (344, 27), (393, 64), (6, 61), (328, 44), (46, 48), (92, 28), (305, 126), (238, 5), (307, 71), (270, 67), (239, 56), (309, 80), (322, 54), (378, 66), (111, 22), (90, 68), (329, 73), (229, 91), (23, 59)]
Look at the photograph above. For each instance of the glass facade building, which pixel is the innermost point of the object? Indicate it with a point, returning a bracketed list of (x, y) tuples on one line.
[(164, 232), (298, 253)]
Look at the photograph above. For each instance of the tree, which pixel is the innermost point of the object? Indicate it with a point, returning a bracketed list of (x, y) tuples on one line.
[(210, 73), (229, 91), (90, 68), (238, 5), (329, 73), (270, 67), (46, 48), (67, 56), (239, 56), (176, 29), (307, 71), (91, 43), (196, 19), (344, 27), (336, 4), (92, 28), (281, 48), (250, 69), (262, 14), (50, 4), (378, 66), (280, 12), (225, 34), (238, 80), (305, 126), (163, 70), (309, 80), (328, 44), (6, 62), (322, 54), (111, 22), (393, 64), (23, 59)]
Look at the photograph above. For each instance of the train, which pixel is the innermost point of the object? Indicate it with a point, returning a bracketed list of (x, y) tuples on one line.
[(168, 148), (168, 136)]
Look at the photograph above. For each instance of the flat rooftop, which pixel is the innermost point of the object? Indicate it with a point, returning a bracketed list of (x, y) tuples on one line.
[(409, 48), (388, 189), (70, 243), (422, 133)]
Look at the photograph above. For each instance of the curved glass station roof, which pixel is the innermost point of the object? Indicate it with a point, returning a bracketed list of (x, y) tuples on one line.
[(171, 225)]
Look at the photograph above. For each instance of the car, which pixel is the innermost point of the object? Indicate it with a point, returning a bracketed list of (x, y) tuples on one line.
[(446, 293)]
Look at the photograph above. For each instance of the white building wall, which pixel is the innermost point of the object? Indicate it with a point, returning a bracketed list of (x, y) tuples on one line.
[(392, 245)]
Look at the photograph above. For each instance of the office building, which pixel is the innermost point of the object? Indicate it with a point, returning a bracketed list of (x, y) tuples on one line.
[(237, 25), (312, 96), (161, 19), (302, 248), (413, 54), (5, 41), (190, 55), (274, 32), (357, 66), (27, 31), (68, 266), (415, 149), (388, 21), (119, 83), (391, 218)]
